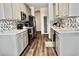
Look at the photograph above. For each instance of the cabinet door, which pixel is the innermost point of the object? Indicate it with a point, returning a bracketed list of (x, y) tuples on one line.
[(25, 39), (56, 9), (63, 9), (1, 11), (19, 43), (73, 9), (8, 10), (16, 11)]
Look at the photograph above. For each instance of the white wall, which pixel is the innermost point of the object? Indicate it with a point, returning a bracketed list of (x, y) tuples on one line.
[(44, 12)]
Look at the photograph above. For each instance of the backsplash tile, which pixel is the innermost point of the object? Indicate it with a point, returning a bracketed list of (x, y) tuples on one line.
[(72, 22), (7, 25)]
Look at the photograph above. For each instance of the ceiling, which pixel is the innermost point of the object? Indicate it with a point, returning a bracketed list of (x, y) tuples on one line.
[(37, 5)]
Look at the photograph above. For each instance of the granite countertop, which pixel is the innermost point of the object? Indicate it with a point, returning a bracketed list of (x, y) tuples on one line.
[(14, 32), (64, 30)]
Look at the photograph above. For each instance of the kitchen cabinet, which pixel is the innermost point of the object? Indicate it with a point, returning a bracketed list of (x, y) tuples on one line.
[(56, 9), (1, 11), (13, 43), (63, 9), (24, 8), (17, 8), (22, 41), (16, 11), (73, 9), (67, 9), (66, 44), (12, 11), (8, 10), (5, 11)]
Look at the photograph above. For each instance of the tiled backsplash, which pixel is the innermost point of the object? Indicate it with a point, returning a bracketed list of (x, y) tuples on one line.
[(72, 22), (7, 25)]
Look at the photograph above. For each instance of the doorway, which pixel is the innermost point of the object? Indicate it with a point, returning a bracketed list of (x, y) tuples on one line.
[(38, 21)]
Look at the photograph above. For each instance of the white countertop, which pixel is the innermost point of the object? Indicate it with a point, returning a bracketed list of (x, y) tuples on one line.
[(64, 30), (14, 32)]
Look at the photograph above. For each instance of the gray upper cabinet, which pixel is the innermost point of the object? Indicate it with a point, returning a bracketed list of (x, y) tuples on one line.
[(56, 6), (8, 10), (63, 9), (5, 11), (12, 11), (67, 9), (1, 11), (16, 9), (73, 9)]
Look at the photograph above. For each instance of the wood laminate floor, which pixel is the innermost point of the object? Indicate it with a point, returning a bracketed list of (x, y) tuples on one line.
[(37, 48)]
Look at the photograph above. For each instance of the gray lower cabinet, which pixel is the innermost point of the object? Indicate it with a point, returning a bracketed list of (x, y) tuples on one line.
[(67, 44), (14, 44)]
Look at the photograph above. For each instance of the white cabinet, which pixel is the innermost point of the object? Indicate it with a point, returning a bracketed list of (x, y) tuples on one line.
[(67, 9), (1, 11), (63, 9), (13, 44), (13, 10), (74, 9), (8, 10), (5, 11), (67, 44), (21, 41), (56, 9), (16, 11)]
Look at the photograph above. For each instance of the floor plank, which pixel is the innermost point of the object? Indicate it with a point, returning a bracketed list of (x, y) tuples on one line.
[(37, 48)]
